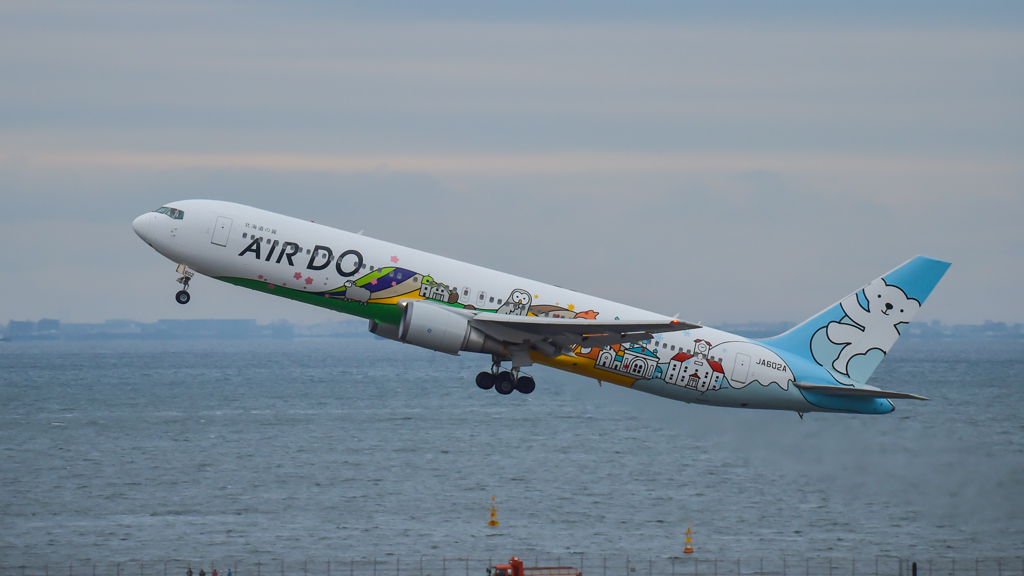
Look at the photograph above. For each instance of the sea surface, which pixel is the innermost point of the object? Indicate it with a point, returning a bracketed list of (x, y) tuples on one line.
[(362, 448)]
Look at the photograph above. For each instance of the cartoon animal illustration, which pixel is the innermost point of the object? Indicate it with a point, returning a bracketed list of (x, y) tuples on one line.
[(355, 293), (876, 326), (518, 303), (550, 311)]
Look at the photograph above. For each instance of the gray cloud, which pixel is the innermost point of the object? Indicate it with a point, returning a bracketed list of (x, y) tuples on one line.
[(788, 162)]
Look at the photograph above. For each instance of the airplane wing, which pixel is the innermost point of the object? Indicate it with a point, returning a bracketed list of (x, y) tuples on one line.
[(851, 392), (560, 333)]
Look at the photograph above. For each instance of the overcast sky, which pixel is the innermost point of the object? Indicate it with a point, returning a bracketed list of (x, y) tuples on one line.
[(724, 163)]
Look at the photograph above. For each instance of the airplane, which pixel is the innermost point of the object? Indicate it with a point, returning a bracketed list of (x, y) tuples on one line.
[(410, 296)]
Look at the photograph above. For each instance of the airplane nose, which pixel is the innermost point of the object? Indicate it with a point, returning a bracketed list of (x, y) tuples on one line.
[(141, 226)]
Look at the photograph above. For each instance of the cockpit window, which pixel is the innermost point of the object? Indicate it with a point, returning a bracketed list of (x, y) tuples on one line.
[(172, 212)]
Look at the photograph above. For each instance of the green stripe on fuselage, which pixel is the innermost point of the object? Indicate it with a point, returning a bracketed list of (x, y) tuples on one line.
[(384, 313)]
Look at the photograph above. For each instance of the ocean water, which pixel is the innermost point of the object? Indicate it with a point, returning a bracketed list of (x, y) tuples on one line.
[(121, 451)]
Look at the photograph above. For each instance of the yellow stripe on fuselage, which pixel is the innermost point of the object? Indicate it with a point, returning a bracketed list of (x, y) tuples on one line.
[(583, 367)]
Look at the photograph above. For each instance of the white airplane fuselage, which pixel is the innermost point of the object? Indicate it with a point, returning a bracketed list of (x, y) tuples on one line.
[(377, 280)]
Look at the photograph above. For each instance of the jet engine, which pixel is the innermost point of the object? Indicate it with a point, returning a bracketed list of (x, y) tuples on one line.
[(439, 328)]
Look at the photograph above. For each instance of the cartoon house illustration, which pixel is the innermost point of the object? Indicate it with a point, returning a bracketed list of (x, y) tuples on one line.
[(434, 291), (633, 360), (695, 371)]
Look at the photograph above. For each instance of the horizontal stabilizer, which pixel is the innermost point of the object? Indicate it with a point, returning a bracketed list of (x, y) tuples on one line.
[(851, 392)]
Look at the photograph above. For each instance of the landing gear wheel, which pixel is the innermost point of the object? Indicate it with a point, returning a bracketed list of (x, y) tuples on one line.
[(505, 383), (525, 385), (485, 380), (182, 297)]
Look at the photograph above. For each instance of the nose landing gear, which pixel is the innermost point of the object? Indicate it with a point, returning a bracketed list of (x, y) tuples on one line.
[(183, 297), (505, 382)]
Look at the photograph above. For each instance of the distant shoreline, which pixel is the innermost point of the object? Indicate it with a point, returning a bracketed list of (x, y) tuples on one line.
[(249, 329)]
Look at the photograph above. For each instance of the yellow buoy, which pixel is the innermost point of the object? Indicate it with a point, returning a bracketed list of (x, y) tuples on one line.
[(689, 540), (494, 514)]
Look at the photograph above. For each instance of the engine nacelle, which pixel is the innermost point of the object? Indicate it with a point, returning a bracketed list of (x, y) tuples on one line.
[(437, 328), (389, 331)]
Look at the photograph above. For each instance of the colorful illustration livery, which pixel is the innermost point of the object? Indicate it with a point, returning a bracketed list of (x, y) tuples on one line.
[(449, 306)]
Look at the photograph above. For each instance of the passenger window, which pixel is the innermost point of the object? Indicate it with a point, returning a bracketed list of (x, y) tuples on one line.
[(371, 268), (245, 235), (492, 300), (499, 301), (307, 251), (399, 275), (673, 348), (465, 291)]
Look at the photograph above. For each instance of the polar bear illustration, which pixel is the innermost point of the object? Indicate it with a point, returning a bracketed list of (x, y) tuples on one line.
[(518, 303), (888, 307)]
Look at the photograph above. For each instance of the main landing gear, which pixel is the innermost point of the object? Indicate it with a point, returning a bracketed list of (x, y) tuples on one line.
[(505, 382)]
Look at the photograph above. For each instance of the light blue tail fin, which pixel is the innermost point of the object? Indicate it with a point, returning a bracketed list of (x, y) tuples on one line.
[(851, 337)]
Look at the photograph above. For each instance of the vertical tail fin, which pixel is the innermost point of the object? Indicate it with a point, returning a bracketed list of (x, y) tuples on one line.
[(851, 337)]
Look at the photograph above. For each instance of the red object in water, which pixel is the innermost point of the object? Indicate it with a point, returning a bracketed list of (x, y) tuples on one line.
[(515, 568)]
